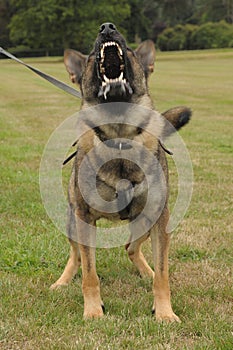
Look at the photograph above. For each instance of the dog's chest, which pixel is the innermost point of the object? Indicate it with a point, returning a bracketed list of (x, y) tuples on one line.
[(118, 160)]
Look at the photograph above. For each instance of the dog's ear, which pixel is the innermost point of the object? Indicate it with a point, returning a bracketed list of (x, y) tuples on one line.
[(75, 64), (146, 54), (177, 117)]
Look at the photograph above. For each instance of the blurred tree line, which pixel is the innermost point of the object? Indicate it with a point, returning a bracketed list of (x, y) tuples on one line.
[(52, 24)]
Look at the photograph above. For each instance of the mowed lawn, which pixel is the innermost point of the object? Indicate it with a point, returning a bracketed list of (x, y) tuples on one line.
[(33, 252)]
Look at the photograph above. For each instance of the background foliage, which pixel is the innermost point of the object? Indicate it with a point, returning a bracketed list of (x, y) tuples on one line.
[(58, 24), (190, 37)]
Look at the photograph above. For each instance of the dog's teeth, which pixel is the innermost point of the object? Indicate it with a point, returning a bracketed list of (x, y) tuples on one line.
[(112, 81), (119, 49), (102, 52), (106, 90), (106, 79), (111, 43)]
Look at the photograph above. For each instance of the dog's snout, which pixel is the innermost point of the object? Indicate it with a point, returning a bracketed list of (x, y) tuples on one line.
[(107, 28)]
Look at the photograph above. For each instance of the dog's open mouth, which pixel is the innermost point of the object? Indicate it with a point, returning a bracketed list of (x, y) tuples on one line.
[(112, 70)]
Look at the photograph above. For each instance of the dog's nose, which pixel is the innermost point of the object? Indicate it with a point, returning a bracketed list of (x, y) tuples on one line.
[(107, 28)]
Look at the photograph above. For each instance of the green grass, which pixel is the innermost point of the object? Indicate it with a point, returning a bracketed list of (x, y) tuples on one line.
[(33, 253)]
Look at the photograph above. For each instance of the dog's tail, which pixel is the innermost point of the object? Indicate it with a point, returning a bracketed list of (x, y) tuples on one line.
[(177, 117)]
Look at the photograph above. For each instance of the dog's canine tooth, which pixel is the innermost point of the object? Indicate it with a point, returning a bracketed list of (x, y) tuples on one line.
[(119, 49), (121, 76), (106, 90), (102, 52)]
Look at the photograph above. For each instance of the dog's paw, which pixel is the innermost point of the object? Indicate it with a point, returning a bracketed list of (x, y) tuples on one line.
[(166, 317), (57, 285), (93, 312)]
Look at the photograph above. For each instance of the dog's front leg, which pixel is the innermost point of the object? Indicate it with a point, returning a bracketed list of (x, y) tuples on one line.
[(160, 246), (93, 306)]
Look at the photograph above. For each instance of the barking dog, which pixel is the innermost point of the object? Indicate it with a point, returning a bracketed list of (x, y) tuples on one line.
[(117, 117)]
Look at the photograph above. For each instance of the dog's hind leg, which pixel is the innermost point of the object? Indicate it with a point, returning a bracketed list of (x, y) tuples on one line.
[(160, 246), (136, 256), (71, 268)]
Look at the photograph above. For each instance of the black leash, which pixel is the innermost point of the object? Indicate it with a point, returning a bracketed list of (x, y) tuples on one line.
[(47, 77)]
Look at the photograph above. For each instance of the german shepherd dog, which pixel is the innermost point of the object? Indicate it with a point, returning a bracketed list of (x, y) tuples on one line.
[(113, 80)]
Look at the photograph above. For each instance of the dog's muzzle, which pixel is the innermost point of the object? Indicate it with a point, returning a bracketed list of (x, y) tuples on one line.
[(111, 65)]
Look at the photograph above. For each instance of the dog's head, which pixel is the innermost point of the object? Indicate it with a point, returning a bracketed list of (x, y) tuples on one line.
[(112, 71)]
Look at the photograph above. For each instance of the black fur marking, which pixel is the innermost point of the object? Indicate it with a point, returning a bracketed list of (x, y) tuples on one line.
[(184, 118), (103, 308)]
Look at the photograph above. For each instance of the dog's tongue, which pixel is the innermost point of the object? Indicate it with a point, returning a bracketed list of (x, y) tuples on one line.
[(114, 89)]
